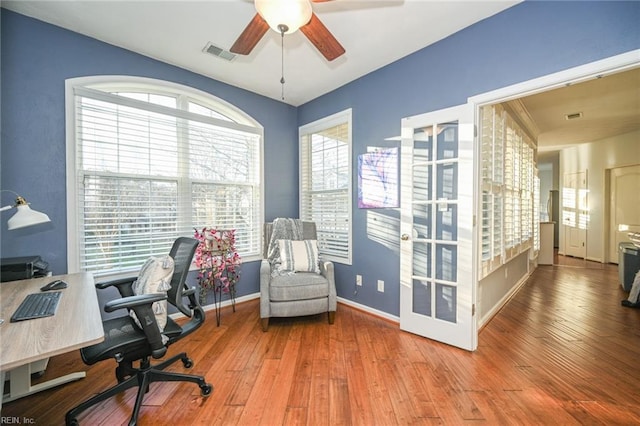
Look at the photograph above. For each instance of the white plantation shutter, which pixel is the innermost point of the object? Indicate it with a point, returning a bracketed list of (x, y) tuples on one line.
[(493, 160), (325, 183), (527, 193), (536, 211), (147, 172), (509, 197)]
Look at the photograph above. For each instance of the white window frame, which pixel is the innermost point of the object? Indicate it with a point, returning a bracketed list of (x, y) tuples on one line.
[(340, 118), (184, 94)]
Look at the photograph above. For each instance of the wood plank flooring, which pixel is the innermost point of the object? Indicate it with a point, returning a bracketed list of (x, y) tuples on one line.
[(563, 351)]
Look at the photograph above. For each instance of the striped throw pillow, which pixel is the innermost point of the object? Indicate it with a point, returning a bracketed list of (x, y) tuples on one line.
[(299, 256)]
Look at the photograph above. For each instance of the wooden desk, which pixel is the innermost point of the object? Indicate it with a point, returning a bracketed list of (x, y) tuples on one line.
[(76, 324)]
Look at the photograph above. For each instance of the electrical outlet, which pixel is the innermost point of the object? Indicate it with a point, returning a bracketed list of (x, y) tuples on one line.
[(381, 286), (358, 279)]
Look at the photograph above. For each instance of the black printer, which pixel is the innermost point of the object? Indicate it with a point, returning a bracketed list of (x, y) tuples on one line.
[(22, 268)]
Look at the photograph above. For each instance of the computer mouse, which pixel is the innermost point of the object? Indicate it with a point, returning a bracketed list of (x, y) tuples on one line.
[(54, 285)]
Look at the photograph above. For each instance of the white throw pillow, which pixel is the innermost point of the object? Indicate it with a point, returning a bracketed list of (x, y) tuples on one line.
[(299, 256), (155, 277)]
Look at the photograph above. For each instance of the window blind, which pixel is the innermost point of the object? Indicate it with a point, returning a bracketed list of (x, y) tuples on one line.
[(325, 176), (147, 173)]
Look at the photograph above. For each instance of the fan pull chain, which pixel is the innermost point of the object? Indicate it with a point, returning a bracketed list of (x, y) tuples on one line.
[(283, 29)]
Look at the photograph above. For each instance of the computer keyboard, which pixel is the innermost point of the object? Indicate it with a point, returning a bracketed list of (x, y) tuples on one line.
[(37, 305)]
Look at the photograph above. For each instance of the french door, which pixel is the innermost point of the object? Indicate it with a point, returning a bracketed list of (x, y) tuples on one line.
[(437, 276)]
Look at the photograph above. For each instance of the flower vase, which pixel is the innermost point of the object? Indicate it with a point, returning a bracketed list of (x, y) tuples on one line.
[(202, 296)]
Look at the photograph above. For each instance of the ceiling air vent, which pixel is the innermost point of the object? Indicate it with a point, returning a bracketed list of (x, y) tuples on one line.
[(573, 116), (219, 52)]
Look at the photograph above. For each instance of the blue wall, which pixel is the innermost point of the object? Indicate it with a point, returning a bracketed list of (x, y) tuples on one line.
[(36, 60), (527, 41)]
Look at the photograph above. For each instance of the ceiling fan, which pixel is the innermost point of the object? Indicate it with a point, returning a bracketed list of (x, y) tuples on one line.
[(286, 17)]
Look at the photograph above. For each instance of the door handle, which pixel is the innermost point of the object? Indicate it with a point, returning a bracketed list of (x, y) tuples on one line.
[(404, 237)]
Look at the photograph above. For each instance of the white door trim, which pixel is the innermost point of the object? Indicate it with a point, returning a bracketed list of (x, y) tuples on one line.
[(590, 71)]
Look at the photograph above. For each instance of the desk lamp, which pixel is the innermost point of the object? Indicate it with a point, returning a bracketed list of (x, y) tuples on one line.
[(24, 216)]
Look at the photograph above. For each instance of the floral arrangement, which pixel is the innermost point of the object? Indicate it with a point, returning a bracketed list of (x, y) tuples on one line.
[(217, 259)]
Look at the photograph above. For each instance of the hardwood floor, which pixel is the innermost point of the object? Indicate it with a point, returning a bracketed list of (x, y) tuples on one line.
[(563, 351)]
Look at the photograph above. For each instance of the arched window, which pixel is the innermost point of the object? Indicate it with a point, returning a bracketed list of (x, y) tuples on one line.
[(149, 161)]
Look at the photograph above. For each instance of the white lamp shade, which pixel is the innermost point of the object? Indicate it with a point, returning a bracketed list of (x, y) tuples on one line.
[(26, 217), (292, 13)]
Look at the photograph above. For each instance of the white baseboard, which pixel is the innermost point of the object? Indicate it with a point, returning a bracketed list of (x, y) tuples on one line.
[(369, 310), (224, 303), (485, 319), (228, 302), (347, 302)]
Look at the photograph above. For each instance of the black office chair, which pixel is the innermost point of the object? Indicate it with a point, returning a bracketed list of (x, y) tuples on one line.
[(127, 343)]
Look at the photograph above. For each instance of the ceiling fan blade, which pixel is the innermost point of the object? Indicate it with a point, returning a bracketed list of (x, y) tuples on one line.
[(250, 36), (322, 39)]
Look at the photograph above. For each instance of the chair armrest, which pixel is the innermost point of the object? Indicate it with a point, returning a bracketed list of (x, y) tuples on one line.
[(134, 301), (327, 271), (124, 286), (189, 291), (265, 279), (265, 269), (142, 306)]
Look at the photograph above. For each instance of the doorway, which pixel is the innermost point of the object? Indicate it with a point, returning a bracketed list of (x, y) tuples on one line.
[(551, 93), (508, 282), (624, 215), (503, 282)]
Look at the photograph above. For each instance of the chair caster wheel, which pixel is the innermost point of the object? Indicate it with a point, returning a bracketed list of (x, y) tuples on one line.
[(72, 422), (206, 389), (187, 362)]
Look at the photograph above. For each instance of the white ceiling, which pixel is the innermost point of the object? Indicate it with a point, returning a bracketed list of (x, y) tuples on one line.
[(374, 33), (609, 106)]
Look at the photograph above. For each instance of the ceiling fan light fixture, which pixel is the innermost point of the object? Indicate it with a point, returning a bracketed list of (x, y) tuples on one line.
[(291, 13)]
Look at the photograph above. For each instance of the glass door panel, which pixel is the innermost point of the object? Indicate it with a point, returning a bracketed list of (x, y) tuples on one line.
[(446, 302), (447, 181), (421, 221), (446, 262), (447, 222), (422, 297)]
